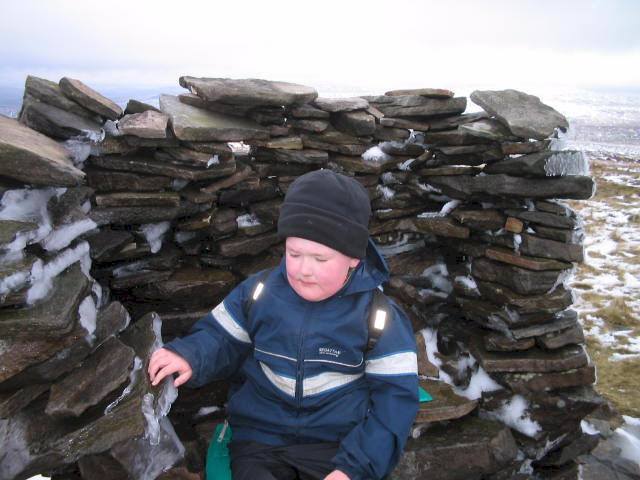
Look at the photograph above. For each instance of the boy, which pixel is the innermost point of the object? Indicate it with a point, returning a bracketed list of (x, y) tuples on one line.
[(315, 402)]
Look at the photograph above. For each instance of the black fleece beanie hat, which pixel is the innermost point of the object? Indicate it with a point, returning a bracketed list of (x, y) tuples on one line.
[(328, 208)]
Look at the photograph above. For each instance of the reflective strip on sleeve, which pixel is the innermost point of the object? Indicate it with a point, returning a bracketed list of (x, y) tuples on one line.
[(224, 318), (403, 363), (283, 383), (327, 381)]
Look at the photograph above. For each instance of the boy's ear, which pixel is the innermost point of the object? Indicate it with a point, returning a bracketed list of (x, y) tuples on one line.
[(354, 262)]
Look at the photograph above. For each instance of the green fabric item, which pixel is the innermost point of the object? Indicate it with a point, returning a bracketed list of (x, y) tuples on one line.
[(423, 396), (218, 462)]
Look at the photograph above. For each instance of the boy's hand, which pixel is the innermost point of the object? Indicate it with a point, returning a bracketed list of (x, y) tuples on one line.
[(336, 475), (164, 362)]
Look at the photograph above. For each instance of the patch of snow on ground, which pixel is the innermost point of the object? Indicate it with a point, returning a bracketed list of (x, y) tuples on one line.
[(627, 438), (611, 244)]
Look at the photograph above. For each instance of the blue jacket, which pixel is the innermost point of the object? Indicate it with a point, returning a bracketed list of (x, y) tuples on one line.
[(308, 375)]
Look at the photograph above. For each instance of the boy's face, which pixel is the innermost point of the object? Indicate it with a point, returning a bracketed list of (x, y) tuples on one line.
[(314, 270)]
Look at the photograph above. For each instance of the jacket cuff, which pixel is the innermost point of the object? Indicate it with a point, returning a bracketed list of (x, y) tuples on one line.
[(352, 474)]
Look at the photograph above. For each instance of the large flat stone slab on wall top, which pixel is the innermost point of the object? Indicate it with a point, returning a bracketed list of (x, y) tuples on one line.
[(198, 125), (57, 123), (334, 105), (490, 129), (423, 92), (89, 98), (50, 92), (543, 164), (148, 124), (249, 91), (464, 187), (357, 123), (469, 448), (30, 157), (417, 106), (525, 115)]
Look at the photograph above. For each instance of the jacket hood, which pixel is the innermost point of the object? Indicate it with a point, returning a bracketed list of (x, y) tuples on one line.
[(371, 272)]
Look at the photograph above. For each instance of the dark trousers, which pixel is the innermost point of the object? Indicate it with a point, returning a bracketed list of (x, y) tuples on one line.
[(257, 461)]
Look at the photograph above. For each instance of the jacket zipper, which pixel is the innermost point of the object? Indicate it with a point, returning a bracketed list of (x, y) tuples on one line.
[(300, 370)]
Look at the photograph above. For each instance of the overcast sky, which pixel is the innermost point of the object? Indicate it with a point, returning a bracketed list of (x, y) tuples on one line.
[(372, 45)]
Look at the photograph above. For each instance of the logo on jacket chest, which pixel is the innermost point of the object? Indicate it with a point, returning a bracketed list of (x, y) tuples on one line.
[(329, 351)]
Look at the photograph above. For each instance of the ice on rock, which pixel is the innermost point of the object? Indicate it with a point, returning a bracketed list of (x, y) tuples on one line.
[(215, 160), (437, 194), (80, 150), (449, 207), (88, 316), (627, 438), (157, 331), (129, 269), (430, 336), (514, 414), (375, 155), (42, 275), (154, 232), (563, 279), (386, 192), (588, 428), (111, 128), (429, 188), (467, 282), (63, 236), (92, 135), (566, 163), (13, 282), (144, 461), (406, 165), (517, 241), (133, 379), (152, 430), (388, 179), (480, 382), (28, 205), (247, 220), (406, 243), (100, 300), (438, 276)]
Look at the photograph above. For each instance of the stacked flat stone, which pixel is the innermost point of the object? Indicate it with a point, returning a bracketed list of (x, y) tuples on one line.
[(74, 394), (183, 202)]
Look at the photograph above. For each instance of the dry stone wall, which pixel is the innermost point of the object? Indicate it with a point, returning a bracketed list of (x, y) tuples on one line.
[(121, 228)]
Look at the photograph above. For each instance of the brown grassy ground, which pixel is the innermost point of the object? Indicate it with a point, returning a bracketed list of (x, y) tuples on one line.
[(607, 284)]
